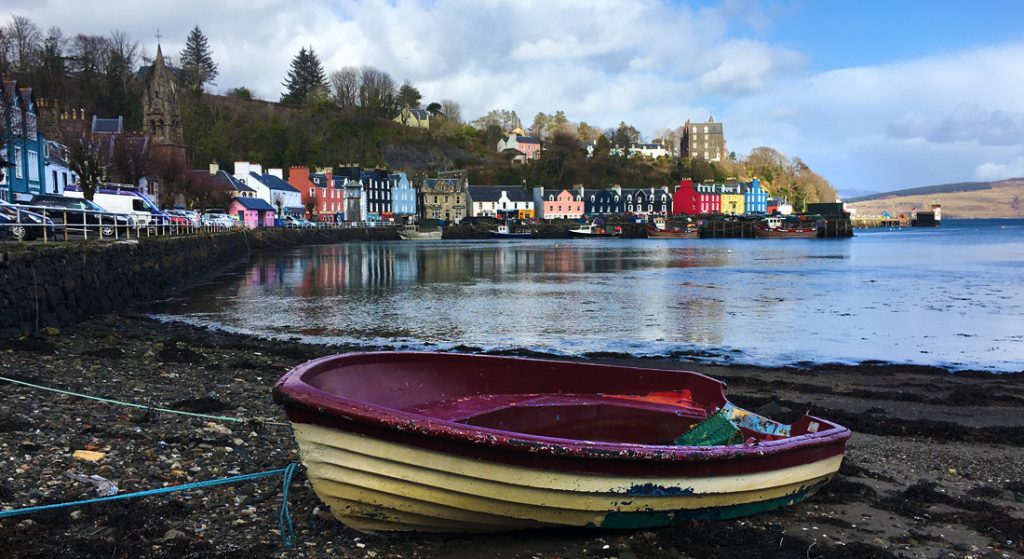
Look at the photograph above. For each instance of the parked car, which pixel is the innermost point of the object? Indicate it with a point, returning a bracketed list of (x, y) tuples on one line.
[(221, 220), (126, 201), (292, 221), (80, 216), (191, 216), (21, 224)]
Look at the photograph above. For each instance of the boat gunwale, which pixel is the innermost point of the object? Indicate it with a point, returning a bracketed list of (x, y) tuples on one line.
[(293, 390)]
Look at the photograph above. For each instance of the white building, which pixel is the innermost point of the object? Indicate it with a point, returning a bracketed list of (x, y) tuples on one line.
[(487, 201), (57, 171), (271, 187)]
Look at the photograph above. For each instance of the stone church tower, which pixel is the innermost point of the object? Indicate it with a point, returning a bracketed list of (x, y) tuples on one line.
[(161, 113)]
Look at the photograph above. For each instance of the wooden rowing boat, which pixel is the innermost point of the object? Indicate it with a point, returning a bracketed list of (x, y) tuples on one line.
[(655, 233), (441, 442)]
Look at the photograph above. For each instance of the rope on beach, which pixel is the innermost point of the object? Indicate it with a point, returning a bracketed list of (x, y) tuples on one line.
[(284, 518), (258, 420)]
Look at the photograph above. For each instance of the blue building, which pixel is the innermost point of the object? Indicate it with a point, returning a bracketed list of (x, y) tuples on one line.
[(403, 196), (24, 147), (603, 202), (755, 198)]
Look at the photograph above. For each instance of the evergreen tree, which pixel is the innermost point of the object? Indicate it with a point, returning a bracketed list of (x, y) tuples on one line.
[(197, 61), (409, 95), (305, 76)]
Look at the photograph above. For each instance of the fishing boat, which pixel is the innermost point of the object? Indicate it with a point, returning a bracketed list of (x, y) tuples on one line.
[(594, 229), (674, 233), (445, 442), (505, 232), (413, 233), (777, 228)]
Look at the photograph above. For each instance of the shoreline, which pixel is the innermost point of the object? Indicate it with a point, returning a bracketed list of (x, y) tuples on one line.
[(933, 468)]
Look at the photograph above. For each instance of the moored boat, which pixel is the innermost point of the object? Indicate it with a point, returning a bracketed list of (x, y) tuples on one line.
[(777, 228), (656, 233), (413, 233), (505, 232), (443, 442), (594, 229)]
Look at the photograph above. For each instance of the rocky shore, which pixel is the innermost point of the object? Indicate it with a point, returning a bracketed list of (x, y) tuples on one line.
[(935, 467)]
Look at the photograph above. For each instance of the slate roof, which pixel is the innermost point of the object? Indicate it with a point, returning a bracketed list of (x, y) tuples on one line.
[(273, 183), (107, 125), (255, 204), (527, 140), (491, 193), (221, 181), (420, 114)]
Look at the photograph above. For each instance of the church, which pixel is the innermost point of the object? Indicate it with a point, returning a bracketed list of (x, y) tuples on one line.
[(161, 109)]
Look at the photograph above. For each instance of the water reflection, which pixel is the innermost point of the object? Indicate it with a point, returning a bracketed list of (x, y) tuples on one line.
[(899, 297)]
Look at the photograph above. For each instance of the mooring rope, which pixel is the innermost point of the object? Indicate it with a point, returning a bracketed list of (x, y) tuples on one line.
[(261, 421), (284, 520)]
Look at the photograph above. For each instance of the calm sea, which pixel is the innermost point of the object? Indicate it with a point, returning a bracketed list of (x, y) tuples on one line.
[(952, 296)]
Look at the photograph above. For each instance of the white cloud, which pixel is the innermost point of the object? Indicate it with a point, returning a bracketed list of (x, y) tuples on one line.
[(651, 63), (989, 171)]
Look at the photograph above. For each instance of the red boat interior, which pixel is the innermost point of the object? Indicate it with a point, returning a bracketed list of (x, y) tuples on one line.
[(565, 400)]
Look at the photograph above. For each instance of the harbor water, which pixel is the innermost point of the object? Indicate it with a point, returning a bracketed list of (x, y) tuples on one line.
[(951, 297)]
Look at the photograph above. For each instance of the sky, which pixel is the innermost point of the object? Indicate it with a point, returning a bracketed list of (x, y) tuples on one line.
[(874, 95)]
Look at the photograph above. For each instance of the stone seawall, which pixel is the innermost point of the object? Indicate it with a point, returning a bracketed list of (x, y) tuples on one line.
[(61, 283)]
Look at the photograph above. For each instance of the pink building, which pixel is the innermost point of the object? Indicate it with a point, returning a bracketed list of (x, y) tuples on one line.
[(523, 148), (252, 212), (563, 205)]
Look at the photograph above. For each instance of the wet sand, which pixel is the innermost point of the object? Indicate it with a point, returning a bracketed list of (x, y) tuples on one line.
[(935, 467)]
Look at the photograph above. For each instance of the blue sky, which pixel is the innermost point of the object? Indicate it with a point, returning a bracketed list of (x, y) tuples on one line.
[(872, 95)]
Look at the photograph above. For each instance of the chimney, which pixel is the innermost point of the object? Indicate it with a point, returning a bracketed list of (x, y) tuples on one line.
[(277, 172), (214, 168)]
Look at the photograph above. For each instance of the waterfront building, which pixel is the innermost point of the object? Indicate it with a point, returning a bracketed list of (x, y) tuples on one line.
[(755, 198), (733, 201), (271, 187), (444, 198), (415, 118), (58, 172), (563, 204), (703, 140), (252, 212), (603, 201), (23, 146), (317, 191), (709, 199), (403, 197), (501, 200), (377, 190), (685, 199), (526, 148), (648, 201)]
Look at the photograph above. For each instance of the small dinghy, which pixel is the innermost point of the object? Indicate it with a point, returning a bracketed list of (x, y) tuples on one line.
[(441, 442)]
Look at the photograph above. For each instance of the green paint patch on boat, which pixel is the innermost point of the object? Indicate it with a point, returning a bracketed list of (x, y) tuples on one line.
[(636, 520)]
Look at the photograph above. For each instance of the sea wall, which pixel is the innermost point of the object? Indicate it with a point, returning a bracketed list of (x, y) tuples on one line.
[(60, 283)]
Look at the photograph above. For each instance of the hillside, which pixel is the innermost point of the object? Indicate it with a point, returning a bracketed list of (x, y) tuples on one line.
[(959, 200)]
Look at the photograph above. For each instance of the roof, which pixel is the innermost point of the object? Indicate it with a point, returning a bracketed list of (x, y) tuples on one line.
[(491, 193), (527, 140), (107, 125), (272, 182), (420, 114), (255, 204)]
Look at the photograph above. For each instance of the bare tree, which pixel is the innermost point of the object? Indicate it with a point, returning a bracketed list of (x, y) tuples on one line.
[(452, 111), (85, 161), (25, 41), (377, 91), (345, 86)]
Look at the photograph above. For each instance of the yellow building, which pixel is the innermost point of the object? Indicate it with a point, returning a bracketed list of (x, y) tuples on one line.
[(416, 118), (733, 200)]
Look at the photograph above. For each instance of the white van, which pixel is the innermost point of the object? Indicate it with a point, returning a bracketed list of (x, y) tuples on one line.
[(125, 201)]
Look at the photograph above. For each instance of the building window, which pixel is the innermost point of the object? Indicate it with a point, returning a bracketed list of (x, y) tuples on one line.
[(18, 173)]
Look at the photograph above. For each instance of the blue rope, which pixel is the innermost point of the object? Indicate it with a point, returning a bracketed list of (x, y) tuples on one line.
[(284, 518)]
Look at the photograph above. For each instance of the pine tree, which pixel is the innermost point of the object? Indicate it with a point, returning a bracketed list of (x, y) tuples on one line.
[(197, 61), (305, 76)]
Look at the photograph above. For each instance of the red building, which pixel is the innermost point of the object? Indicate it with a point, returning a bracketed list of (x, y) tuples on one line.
[(709, 199), (684, 199), (329, 200)]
